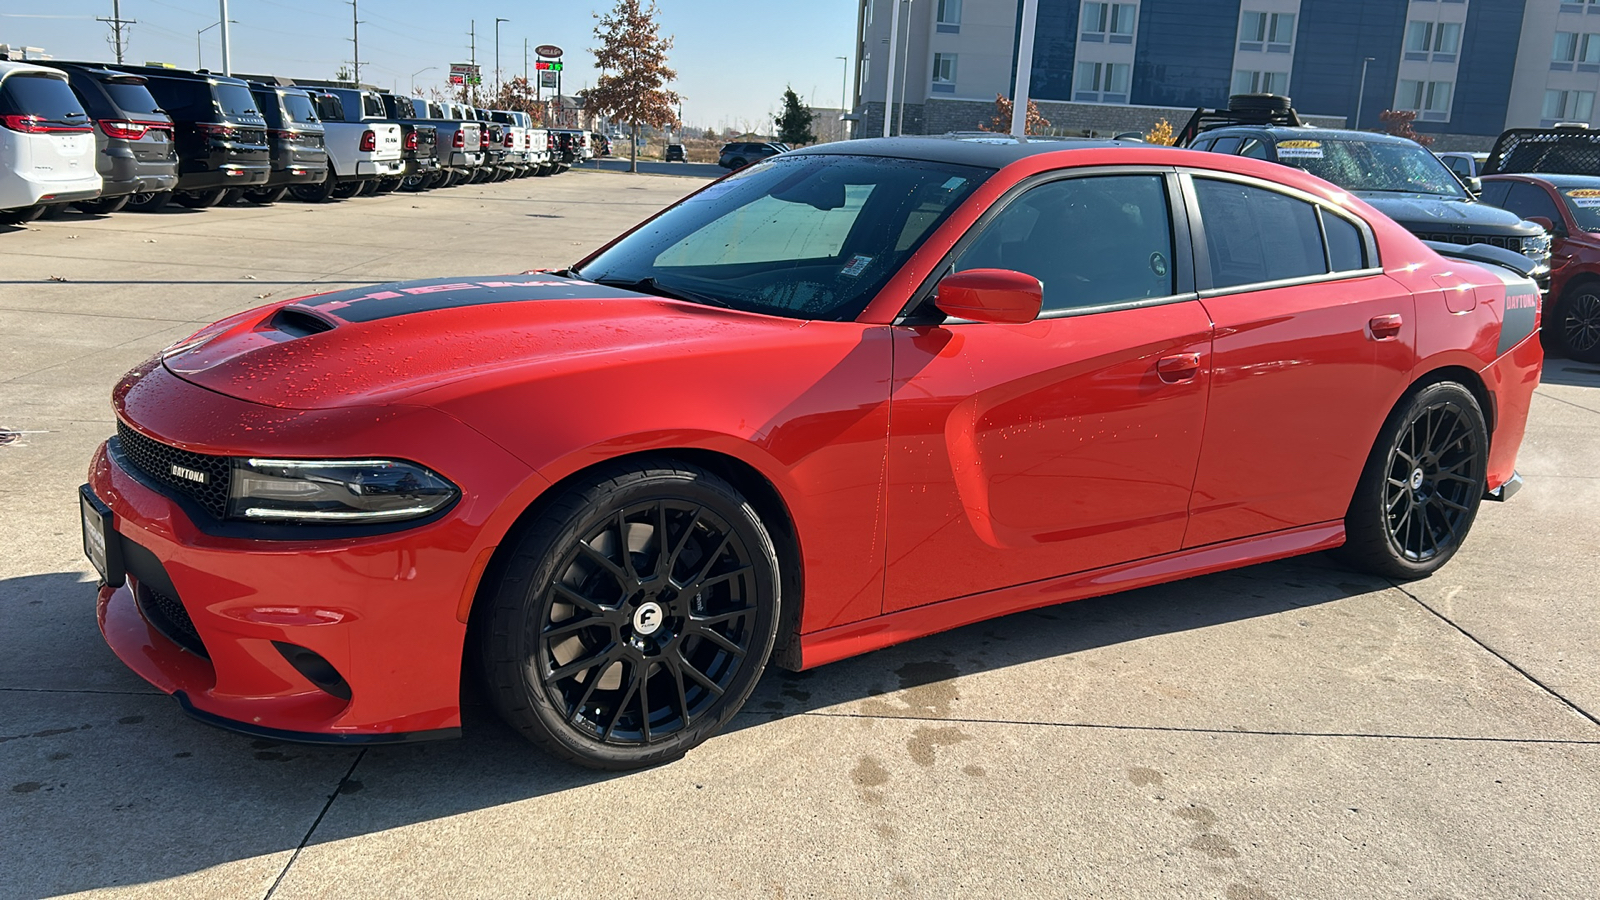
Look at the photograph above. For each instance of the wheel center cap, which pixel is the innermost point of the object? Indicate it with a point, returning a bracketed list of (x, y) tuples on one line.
[(648, 617), (1416, 479)]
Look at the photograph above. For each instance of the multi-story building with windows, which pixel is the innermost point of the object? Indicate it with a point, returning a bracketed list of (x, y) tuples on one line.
[(1467, 68)]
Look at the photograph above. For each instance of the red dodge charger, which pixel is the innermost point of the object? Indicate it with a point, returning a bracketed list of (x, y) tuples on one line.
[(846, 397)]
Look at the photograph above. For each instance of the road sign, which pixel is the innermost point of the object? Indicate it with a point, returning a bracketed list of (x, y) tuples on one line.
[(547, 79), (550, 51)]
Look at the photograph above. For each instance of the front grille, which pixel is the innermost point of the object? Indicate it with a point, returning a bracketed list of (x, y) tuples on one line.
[(159, 462), (171, 619), (1512, 243)]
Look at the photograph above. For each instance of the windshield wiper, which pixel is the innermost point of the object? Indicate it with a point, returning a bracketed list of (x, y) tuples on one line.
[(650, 285)]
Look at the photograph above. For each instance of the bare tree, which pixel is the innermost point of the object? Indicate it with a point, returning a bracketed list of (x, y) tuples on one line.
[(632, 58)]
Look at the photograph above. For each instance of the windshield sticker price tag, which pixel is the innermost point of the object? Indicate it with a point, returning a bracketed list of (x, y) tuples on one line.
[(953, 183), (1299, 149), (858, 264), (1587, 198)]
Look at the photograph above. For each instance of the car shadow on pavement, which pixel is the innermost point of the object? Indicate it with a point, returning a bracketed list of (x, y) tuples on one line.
[(115, 786), (1570, 372)]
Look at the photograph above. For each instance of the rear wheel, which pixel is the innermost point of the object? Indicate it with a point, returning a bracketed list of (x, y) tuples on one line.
[(321, 192), (266, 196), (103, 206), (1421, 487), (384, 185), (631, 621), (149, 201), (344, 190), (201, 199), (419, 182), (21, 215), (1574, 323)]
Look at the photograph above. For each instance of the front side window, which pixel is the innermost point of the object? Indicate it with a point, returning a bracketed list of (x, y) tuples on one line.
[(1090, 241), (1528, 200), (811, 236), (1254, 235)]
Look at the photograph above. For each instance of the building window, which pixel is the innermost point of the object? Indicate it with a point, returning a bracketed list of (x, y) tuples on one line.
[(1272, 32), (1567, 106), (944, 73), (866, 66), (1438, 41), (1102, 82), (1566, 49), (1109, 22), (1247, 82), (1430, 100), (871, 5), (949, 12)]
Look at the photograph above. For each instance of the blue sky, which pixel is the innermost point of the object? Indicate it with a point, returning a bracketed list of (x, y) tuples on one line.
[(733, 60)]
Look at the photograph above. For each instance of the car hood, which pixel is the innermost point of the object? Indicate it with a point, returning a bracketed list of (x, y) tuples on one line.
[(1429, 211), (382, 344)]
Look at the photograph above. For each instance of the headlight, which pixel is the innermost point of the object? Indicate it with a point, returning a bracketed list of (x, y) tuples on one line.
[(1537, 247), (335, 490)]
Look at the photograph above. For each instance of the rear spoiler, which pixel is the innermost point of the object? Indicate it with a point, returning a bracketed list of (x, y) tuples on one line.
[(1485, 254), (1563, 150)]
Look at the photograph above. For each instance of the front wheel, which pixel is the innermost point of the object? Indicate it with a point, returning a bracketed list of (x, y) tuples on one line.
[(631, 621), (1574, 323), (321, 192), (265, 196), (1421, 486), (201, 199)]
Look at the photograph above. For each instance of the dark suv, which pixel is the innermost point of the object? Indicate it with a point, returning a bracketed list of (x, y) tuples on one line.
[(1397, 176), (296, 136), (220, 134), (739, 155), (133, 138)]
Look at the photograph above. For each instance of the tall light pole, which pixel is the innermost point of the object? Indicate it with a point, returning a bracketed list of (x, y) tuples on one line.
[(1019, 94), (1361, 92), (414, 77), (497, 22), (905, 61), (355, 40), (199, 58), (227, 67), (844, 79), (888, 83)]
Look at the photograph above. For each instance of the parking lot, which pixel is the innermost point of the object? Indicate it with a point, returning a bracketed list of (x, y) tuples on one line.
[(1286, 730)]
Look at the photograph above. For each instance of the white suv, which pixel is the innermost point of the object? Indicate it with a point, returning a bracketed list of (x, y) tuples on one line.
[(47, 149)]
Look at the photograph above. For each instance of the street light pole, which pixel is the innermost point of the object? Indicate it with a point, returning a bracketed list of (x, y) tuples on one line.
[(844, 78), (199, 55), (888, 82), (1361, 92), (1019, 94), (497, 22), (414, 77), (227, 68)]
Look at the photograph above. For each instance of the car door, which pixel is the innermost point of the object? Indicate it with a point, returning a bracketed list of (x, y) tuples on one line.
[(1021, 452), (1313, 344), (1528, 200)]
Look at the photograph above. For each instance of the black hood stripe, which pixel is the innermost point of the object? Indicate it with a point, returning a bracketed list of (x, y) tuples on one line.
[(401, 298)]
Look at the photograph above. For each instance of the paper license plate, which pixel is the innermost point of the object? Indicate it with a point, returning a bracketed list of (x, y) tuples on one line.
[(100, 541)]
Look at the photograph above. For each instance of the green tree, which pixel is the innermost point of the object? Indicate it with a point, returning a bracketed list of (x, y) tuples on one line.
[(632, 59), (794, 125)]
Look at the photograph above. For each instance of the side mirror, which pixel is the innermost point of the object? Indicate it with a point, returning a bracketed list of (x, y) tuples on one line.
[(1474, 184), (1550, 227), (999, 296)]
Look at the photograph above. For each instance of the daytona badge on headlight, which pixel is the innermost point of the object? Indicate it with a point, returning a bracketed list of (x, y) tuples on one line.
[(335, 490)]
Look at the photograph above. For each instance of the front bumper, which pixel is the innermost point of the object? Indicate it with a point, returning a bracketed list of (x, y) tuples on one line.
[(220, 620)]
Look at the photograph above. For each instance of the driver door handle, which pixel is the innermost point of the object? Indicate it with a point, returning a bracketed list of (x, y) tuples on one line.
[(1178, 368), (1384, 328)]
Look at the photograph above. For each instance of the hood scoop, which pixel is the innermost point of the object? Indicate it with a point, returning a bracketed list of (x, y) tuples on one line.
[(298, 323)]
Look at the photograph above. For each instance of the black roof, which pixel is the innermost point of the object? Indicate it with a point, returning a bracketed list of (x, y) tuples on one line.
[(97, 71), (164, 72), (991, 150)]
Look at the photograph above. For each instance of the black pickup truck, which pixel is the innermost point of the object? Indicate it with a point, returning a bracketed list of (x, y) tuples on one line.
[(423, 169)]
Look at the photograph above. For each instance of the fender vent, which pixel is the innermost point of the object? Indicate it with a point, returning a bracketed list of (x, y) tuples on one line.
[(299, 323)]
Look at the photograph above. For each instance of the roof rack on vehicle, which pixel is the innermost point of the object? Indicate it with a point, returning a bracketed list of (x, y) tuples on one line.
[(1243, 109), (1564, 149)]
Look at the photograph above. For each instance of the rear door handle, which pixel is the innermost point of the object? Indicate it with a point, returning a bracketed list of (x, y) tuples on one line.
[(1384, 328), (1178, 368)]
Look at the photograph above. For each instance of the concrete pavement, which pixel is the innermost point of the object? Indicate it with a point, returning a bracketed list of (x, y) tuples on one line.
[(1287, 730)]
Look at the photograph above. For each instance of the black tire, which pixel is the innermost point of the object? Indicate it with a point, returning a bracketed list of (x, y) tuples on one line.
[(265, 196), (344, 190), (103, 206), (576, 637), (1421, 486), (149, 202), (415, 183), (321, 192), (201, 199), (738, 164), (234, 195), (52, 210), (21, 214), (1574, 323), (384, 185), (1258, 103)]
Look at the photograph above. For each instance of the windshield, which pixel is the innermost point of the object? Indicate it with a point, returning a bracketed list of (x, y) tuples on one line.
[(1372, 166), (299, 107), (1584, 204), (805, 237), (235, 101)]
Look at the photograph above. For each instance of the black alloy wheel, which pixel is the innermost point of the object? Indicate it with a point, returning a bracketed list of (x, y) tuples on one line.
[(1575, 323), (634, 618), (149, 201), (1422, 485), (201, 199), (102, 206)]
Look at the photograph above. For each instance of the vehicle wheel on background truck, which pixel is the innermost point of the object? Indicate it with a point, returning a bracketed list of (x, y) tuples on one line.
[(21, 214), (200, 199), (631, 620), (150, 201), (234, 195), (384, 185), (414, 183), (321, 192), (1573, 323), (344, 190), (265, 196), (1421, 486), (103, 206)]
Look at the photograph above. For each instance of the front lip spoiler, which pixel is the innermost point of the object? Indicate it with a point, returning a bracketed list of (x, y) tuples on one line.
[(1505, 491), (313, 737)]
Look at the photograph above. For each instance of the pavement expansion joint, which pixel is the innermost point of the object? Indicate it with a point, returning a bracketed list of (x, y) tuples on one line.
[(337, 790), (1248, 732), (25, 690), (1569, 403)]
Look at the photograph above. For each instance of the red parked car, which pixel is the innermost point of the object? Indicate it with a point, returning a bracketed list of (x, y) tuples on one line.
[(843, 398), (1569, 208)]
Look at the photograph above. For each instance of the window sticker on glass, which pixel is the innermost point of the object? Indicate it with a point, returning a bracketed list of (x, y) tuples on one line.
[(858, 264), (1299, 149), (953, 183), (1585, 197)]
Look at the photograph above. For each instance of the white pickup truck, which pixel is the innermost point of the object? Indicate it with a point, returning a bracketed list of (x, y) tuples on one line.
[(363, 146)]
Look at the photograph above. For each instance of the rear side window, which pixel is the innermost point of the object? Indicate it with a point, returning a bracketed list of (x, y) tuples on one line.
[(372, 106), (1255, 235), (1228, 145), (331, 107), (1347, 252), (185, 100), (1089, 241), (132, 98), (267, 102), (45, 96)]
